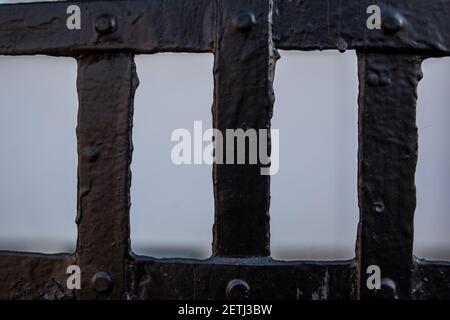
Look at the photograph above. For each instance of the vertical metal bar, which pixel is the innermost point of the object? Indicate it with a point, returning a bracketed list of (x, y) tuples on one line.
[(387, 162), (243, 99), (106, 85)]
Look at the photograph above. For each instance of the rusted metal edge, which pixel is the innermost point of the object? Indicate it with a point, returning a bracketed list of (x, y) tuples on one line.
[(412, 26), (139, 26)]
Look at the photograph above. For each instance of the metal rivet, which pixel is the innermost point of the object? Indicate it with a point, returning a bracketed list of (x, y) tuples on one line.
[(102, 282), (105, 23), (91, 153), (237, 289), (244, 20), (393, 22), (372, 79), (385, 81), (379, 207), (388, 289), (341, 44)]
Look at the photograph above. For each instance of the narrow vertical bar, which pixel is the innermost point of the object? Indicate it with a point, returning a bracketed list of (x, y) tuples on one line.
[(387, 162), (243, 99), (106, 85)]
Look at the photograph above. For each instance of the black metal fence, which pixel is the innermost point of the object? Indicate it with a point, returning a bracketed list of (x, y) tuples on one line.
[(244, 36)]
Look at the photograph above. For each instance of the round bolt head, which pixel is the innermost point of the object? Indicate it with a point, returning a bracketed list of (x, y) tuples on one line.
[(385, 81), (388, 289), (102, 282), (378, 207), (373, 79), (91, 153), (237, 289), (393, 22), (341, 45), (244, 20), (105, 24)]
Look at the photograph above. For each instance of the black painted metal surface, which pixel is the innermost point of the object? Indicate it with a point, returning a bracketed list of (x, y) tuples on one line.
[(244, 36), (387, 162)]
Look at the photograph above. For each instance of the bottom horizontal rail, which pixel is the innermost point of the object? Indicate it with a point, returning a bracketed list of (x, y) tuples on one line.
[(29, 276)]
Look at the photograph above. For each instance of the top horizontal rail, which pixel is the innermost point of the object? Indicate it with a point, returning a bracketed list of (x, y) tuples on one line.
[(413, 26), (137, 26)]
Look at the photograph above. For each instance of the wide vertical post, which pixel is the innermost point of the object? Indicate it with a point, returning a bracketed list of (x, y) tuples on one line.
[(387, 162), (106, 85), (243, 99)]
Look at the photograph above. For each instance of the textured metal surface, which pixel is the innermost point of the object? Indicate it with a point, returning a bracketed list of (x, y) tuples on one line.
[(30, 276), (242, 100), (431, 280), (321, 24), (244, 36), (387, 162), (267, 279), (142, 27), (106, 85)]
